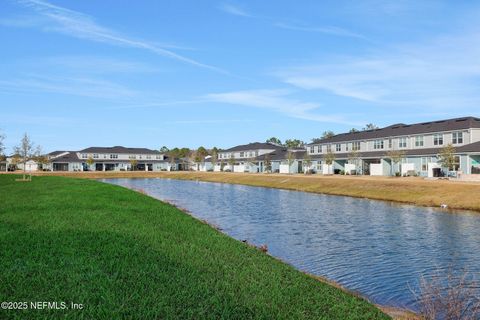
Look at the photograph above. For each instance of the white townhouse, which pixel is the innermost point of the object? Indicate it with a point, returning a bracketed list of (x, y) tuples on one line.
[(260, 157), (116, 158), (369, 152)]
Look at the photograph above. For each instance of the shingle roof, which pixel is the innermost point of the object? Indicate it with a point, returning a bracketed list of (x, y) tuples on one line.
[(401, 129), (71, 156), (254, 146), (119, 149)]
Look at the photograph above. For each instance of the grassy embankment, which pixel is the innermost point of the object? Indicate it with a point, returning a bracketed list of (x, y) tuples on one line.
[(457, 195), (125, 255)]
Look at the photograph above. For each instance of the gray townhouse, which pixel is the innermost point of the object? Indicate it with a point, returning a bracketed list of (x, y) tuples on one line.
[(367, 152), (116, 158), (254, 157)]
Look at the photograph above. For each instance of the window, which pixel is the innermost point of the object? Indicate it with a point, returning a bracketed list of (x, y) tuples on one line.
[(402, 142), (378, 144), (149, 157), (419, 141), (95, 156), (114, 156), (457, 137), (338, 147), (424, 161), (158, 157), (132, 157), (242, 154), (438, 139), (456, 165), (346, 146), (389, 143), (256, 153), (329, 148), (356, 145), (84, 155)]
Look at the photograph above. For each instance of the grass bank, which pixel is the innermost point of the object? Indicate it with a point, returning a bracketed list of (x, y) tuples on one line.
[(124, 255), (417, 191)]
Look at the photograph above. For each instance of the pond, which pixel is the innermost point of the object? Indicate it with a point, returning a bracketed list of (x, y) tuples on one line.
[(376, 248)]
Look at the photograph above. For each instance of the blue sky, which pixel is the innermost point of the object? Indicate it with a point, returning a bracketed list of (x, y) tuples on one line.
[(219, 73)]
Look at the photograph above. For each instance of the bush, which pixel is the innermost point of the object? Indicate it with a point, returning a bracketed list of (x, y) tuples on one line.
[(336, 171), (342, 172), (227, 170), (398, 174), (210, 170)]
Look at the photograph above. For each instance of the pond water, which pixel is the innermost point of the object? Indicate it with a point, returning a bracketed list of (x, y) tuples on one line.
[(376, 248)]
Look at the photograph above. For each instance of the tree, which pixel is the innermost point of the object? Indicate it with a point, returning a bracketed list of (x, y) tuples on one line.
[(214, 157), (26, 152), (370, 126), (353, 130), (290, 159), (41, 158), (133, 164), (15, 161), (307, 160), (231, 161), (327, 134), (329, 157), (293, 143), (90, 162), (2, 146), (164, 149), (447, 157), (274, 140), (267, 163), (395, 156), (354, 158), (202, 152)]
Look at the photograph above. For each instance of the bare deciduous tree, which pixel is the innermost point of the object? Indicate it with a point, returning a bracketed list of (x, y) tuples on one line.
[(453, 296), (267, 163), (290, 159), (308, 161), (26, 151), (2, 145), (395, 156), (354, 158)]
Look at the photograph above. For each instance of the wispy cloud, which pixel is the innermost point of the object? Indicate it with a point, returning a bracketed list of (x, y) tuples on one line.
[(275, 22), (96, 64), (79, 25), (207, 121), (330, 30), (441, 73), (79, 86), (277, 101), (235, 10)]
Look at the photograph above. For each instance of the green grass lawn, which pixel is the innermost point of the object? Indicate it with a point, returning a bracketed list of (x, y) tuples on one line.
[(124, 255)]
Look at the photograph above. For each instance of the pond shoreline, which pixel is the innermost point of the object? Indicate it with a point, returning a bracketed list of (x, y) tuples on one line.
[(413, 191), (394, 312)]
